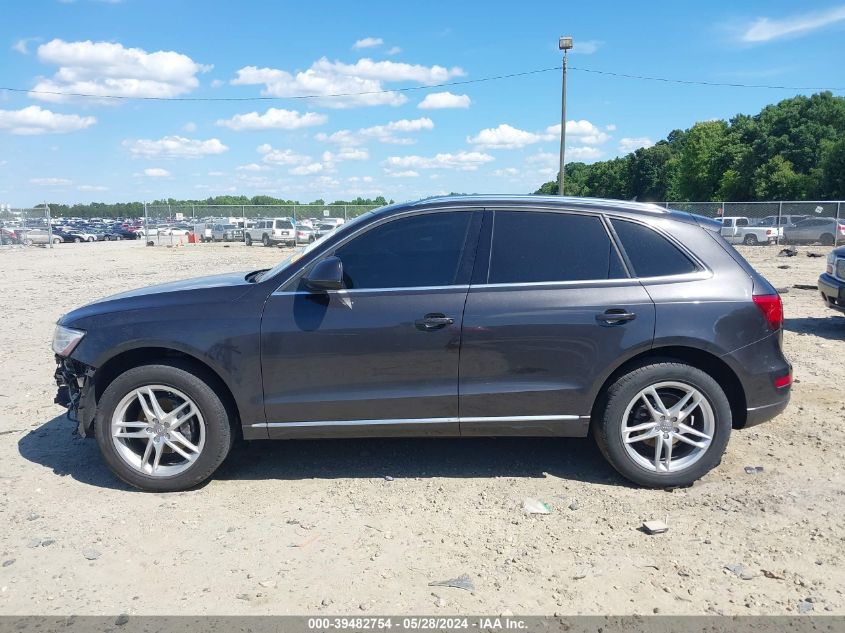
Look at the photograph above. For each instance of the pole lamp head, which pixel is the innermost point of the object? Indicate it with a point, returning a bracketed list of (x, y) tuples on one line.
[(565, 43)]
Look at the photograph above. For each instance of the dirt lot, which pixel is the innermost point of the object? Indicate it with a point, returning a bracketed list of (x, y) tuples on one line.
[(351, 526)]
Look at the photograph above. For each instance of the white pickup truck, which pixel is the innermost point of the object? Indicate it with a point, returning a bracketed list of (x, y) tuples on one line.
[(738, 230), (269, 232)]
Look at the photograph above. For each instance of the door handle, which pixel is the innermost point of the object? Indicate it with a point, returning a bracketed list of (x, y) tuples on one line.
[(433, 321), (615, 315)]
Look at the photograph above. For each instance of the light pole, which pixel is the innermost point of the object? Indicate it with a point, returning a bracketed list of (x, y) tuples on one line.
[(564, 44)]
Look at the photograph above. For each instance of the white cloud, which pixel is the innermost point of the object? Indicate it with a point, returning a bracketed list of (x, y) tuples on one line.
[(190, 126), (156, 172), (582, 130), (325, 78), (394, 50), (386, 133), (508, 172), (35, 120), (543, 158), (504, 137), (584, 152), (252, 167), (274, 118), (587, 47), (217, 83), (462, 161), (610, 128), (50, 182), (438, 100), (106, 68), (91, 188), (307, 169), (345, 153), (767, 29), (22, 45), (368, 42), (408, 173), (175, 147), (629, 144), (275, 156)]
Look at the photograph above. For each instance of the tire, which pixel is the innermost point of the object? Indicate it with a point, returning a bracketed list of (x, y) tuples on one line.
[(213, 442), (91, 239), (248, 239), (713, 416), (27, 242), (265, 239), (117, 238), (77, 240), (750, 240), (107, 238), (826, 239), (57, 240)]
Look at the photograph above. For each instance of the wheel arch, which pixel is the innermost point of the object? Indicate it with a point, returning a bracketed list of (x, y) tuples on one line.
[(701, 359), (127, 359)]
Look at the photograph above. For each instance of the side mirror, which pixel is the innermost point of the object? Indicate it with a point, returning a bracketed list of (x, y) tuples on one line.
[(326, 275)]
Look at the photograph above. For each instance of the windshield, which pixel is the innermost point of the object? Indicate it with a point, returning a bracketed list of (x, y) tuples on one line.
[(300, 252)]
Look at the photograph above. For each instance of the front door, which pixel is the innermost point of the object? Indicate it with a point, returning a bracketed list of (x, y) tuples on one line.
[(379, 357), (556, 309)]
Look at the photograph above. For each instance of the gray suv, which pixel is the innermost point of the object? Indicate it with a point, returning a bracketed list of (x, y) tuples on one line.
[(459, 316)]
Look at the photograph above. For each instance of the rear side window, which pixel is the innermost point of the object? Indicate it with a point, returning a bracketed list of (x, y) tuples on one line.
[(651, 254), (283, 224), (537, 247)]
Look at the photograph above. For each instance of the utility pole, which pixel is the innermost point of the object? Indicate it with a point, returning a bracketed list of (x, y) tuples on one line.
[(564, 44)]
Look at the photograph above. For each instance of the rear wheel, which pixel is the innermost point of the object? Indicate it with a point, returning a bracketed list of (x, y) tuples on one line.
[(664, 425), (57, 240), (826, 239), (265, 239), (91, 239), (750, 240), (77, 240), (248, 239), (162, 428)]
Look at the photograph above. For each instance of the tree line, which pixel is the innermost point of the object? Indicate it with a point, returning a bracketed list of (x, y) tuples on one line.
[(791, 150)]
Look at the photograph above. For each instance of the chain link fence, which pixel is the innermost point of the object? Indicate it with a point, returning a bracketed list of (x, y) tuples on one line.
[(27, 227)]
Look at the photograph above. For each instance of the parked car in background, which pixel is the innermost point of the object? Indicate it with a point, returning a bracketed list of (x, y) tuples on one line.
[(38, 236), (738, 230), (226, 233), (825, 231), (119, 233), (8, 236), (270, 232), (324, 229), (832, 282), (305, 234), (632, 323), (780, 221)]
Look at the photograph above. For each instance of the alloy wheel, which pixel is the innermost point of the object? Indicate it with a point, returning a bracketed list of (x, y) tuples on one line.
[(668, 426), (158, 430)]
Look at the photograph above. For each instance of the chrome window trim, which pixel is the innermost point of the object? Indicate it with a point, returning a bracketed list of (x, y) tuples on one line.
[(344, 291), (506, 418)]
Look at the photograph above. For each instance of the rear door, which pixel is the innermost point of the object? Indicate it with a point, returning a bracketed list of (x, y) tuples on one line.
[(728, 230), (543, 322)]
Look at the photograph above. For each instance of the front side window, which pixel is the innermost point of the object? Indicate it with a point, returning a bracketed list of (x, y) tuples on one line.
[(531, 246), (418, 251), (651, 254)]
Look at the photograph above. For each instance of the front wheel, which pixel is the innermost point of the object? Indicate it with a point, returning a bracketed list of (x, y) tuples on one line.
[(826, 239), (77, 240), (161, 427), (750, 240), (248, 239), (91, 239), (57, 240), (266, 240), (664, 425)]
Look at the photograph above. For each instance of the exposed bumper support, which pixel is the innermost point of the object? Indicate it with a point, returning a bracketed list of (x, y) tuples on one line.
[(76, 392)]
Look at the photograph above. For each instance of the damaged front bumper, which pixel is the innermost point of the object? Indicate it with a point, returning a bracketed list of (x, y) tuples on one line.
[(76, 392)]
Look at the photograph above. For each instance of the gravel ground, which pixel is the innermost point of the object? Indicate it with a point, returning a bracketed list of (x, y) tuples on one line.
[(364, 526)]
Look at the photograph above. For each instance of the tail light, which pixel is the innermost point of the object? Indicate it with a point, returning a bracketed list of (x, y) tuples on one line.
[(842, 229), (783, 381), (772, 308)]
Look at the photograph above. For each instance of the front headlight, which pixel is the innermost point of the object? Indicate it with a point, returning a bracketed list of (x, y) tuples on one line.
[(830, 260), (66, 339)]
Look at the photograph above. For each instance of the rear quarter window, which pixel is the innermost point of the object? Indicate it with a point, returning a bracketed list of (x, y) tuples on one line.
[(651, 254)]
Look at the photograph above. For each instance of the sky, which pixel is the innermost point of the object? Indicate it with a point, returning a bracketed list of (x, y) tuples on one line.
[(398, 132)]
